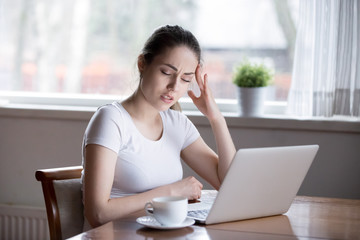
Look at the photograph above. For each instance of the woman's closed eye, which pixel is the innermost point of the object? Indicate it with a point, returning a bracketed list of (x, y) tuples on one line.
[(165, 72), (186, 79)]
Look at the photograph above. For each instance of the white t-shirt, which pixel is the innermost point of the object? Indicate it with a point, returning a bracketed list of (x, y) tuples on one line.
[(142, 164)]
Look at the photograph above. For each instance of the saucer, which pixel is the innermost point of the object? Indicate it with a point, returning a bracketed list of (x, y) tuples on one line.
[(151, 222)]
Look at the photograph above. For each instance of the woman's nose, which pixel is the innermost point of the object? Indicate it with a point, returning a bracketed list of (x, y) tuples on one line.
[(173, 84)]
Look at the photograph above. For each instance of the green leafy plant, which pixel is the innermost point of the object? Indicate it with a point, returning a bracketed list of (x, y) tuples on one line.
[(252, 75)]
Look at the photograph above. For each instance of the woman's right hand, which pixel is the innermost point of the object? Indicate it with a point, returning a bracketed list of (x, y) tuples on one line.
[(188, 187)]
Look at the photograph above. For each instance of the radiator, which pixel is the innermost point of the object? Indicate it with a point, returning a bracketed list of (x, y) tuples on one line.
[(23, 223)]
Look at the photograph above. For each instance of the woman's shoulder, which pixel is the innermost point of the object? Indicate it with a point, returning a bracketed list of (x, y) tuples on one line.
[(109, 112), (105, 128), (180, 126), (110, 109)]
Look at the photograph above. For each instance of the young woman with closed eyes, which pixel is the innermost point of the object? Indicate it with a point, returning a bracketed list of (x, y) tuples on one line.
[(132, 150)]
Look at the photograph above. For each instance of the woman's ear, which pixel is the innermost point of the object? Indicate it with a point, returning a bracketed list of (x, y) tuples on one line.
[(141, 63)]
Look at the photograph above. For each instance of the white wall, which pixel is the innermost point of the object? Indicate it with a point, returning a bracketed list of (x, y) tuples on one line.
[(32, 140)]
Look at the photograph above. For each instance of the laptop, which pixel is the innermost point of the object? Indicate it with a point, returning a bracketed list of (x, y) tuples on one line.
[(260, 182)]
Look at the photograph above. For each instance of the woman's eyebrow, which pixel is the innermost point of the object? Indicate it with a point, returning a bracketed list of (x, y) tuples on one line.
[(175, 69), (189, 73), (171, 66)]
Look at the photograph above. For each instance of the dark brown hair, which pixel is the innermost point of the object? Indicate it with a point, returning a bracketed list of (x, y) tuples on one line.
[(167, 37)]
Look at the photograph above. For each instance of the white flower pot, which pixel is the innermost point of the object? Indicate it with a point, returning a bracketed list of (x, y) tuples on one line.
[(251, 101)]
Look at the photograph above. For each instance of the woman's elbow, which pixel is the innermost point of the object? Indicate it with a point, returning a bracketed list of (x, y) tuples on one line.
[(95, 217)]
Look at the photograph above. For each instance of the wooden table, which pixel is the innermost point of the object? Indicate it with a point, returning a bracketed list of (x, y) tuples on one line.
[(307, 218)]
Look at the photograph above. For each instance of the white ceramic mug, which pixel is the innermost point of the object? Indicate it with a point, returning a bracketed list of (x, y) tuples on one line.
[(169, 211)]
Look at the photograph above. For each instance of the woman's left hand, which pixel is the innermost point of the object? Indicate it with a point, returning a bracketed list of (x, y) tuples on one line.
[(205, 102)]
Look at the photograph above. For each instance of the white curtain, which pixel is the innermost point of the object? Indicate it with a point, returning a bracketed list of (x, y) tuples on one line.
[(326, 70)]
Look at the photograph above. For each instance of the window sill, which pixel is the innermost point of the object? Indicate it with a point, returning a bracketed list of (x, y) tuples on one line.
[(268, 121), (283, 122)]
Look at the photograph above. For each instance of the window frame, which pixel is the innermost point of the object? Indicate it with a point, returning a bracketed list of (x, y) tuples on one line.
[(228, 107), (36, 108)]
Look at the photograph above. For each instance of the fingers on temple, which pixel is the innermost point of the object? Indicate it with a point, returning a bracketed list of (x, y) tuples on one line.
[(205, 81), (198, 77)]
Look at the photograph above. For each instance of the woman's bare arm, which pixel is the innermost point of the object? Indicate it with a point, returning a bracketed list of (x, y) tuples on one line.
[(204, 161), (199, 155), (98, 179)]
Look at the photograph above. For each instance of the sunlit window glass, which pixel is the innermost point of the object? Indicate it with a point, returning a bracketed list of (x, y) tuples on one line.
[(91, 46)]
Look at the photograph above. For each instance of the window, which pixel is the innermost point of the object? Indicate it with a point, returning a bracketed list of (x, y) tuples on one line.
[(91, 46)]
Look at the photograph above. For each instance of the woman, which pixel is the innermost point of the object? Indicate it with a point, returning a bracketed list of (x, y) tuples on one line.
[(132, 149)]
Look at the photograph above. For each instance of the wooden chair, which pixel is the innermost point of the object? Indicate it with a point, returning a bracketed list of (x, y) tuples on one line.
[(63, 200)]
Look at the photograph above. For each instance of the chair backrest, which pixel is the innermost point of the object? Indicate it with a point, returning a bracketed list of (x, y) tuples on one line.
[(63, 200)]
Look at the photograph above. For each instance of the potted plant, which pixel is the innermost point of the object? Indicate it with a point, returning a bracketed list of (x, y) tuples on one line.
[(251, 80)]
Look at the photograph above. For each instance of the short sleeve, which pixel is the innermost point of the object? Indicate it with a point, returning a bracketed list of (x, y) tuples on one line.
[(104, 128), (191, 132)]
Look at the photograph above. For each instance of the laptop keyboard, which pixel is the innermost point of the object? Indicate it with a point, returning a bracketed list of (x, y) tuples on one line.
[(199, 214), (200, 211)]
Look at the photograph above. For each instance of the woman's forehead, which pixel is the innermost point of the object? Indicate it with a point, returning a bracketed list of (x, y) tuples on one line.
[(178, 56)]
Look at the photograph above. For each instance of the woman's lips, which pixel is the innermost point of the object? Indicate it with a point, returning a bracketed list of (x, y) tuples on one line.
[(167, 98)]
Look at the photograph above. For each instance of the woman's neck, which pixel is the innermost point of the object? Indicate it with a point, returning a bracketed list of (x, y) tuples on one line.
[(145, 117), (138, 108)]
